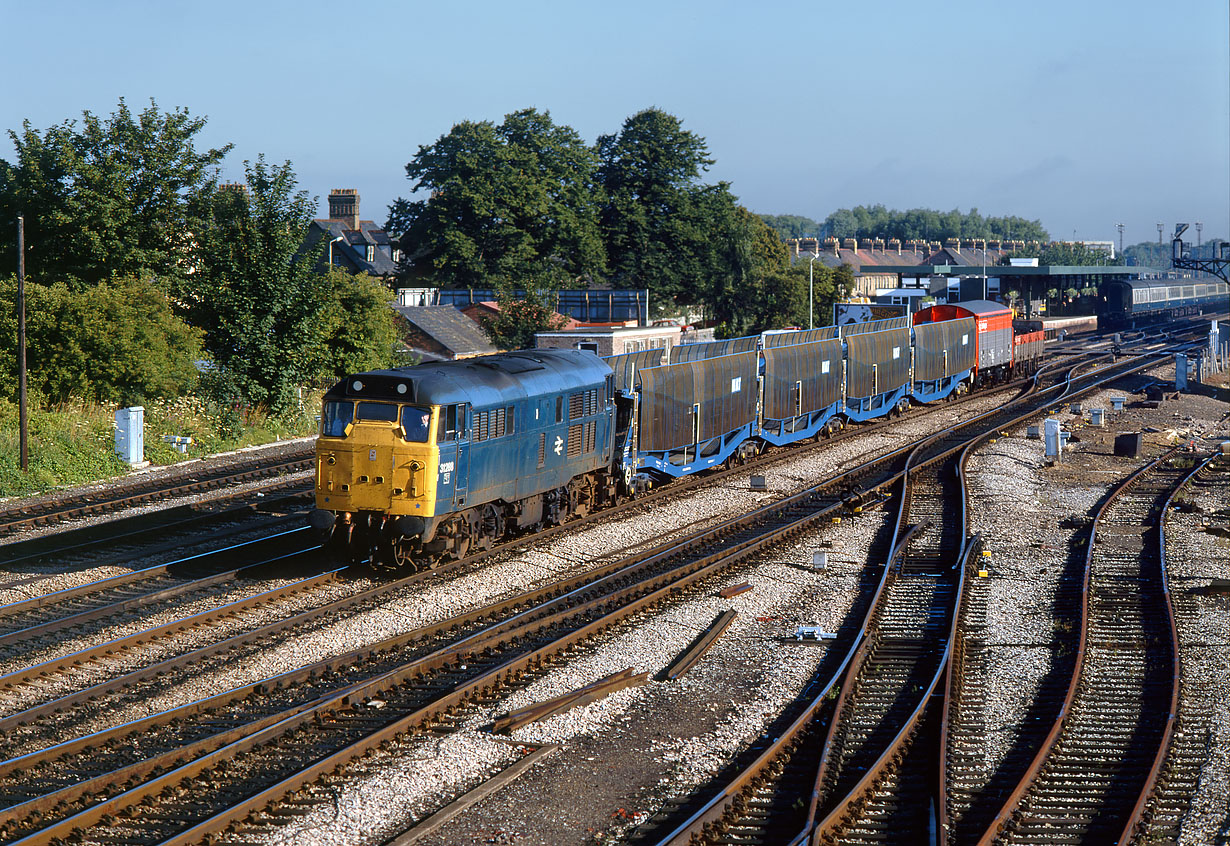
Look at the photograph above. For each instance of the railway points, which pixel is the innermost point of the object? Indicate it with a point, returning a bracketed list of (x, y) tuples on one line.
[(599, 725)]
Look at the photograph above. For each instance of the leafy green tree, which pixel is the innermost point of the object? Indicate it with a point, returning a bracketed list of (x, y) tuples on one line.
[(514, 203), (513, 327), (119, 341), (792, 225), (780, 301), (927, 224), (107, 198), (357, 325), (655, 219), (261, 304)]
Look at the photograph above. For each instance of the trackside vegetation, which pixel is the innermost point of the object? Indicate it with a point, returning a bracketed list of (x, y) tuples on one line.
[(75, 444)]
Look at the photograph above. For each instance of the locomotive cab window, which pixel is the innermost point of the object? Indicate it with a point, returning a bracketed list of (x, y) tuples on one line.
[(416, 423), (448, 429), (335, 417)]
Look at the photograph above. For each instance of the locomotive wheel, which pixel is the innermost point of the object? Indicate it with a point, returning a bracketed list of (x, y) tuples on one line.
[(578, 498), (490, 525), (557, 509)]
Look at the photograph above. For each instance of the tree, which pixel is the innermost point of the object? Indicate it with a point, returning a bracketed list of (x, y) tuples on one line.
[(116, 342), (512, 203), (655, 218), (357, 325), (519, 318), (927, 225), (110, 198), (792, 225), (261, 305)]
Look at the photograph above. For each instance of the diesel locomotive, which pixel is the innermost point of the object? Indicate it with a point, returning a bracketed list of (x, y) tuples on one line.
[(430, 462), (438, 460)]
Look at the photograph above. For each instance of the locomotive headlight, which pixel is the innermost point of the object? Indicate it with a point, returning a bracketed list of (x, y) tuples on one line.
[(401, 387), (331, 461), (356, 385)]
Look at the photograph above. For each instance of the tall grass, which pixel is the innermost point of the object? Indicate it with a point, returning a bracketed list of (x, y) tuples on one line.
[(76, 444)]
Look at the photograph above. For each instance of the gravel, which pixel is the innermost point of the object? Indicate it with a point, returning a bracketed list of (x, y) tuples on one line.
[(1032, 514), (623, 757)]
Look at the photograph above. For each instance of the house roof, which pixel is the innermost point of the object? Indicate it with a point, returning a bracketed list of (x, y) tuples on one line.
[(448, 327), (351, 253)]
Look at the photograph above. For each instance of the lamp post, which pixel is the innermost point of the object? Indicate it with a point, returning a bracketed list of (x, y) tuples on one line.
[(331, 243), (811, 297), (23, 422)]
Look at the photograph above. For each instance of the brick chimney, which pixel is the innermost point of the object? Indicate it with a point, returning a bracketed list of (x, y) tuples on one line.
[(344, 206)]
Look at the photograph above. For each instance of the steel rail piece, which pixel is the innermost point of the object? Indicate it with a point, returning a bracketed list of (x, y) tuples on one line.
[(844, 811), (708, 819), (1031, 779)]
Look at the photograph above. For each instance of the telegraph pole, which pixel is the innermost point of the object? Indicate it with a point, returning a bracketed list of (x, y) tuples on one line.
[(21, 343)]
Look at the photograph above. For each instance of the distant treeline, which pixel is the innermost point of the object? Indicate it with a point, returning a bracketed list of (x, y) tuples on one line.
[(916, 224)]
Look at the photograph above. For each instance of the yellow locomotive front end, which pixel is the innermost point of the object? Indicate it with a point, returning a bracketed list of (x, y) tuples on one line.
[(376, 465)]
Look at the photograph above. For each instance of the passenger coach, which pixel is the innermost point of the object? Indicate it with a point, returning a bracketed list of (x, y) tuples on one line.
[(1129, 303)]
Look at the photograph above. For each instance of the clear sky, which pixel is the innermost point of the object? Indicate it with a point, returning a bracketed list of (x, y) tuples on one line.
[(1082, 114)]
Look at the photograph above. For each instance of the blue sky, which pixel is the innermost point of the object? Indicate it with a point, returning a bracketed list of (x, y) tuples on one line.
[(1080, 114)]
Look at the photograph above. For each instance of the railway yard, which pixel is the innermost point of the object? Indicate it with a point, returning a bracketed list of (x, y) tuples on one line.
[(187, 667)]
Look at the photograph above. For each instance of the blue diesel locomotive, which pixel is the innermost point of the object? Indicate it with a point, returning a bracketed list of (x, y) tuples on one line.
[(438, 460)]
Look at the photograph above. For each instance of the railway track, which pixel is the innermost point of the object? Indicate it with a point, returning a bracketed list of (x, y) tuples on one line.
[(875, 786), (836, 496), (1179, 779), (155, 533), (476, 664), (341, 724), (1100, 762), (56, 508)]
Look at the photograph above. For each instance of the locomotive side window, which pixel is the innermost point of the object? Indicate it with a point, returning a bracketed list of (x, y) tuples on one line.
[(447, 429), (416, 423), (335, 417), (383, 411), (559, 409), (508, 416)]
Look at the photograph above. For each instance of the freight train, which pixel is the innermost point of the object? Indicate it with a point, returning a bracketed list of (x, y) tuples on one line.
[(434, 461), (1132, 303)]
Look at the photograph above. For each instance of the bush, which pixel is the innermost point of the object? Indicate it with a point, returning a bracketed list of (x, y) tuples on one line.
[(113, 343)]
